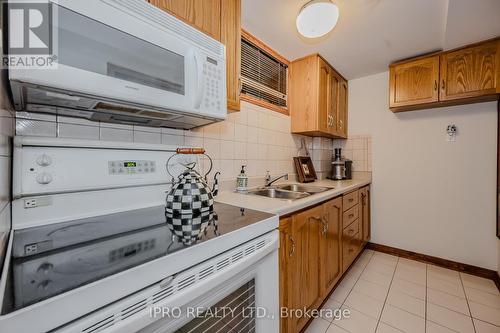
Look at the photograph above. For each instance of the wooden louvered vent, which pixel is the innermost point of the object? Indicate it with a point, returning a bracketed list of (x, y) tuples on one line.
[(264, 76)]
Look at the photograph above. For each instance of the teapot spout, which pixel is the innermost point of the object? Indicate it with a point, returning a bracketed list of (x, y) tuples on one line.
[(215, 189)]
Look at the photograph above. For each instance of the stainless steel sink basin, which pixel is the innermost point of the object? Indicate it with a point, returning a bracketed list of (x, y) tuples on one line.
[(279, 194), (303, 188), (289, 191)]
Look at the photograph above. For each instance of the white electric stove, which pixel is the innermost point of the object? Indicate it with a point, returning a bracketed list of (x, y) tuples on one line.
[(90, 250)]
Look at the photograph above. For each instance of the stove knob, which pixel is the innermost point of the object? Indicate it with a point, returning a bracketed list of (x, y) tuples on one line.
[(44, 178), (44, 160), (44, 285), (45, 268)]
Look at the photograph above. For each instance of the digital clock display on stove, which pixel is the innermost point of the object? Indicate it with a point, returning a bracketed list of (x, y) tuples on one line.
[(131, 167)]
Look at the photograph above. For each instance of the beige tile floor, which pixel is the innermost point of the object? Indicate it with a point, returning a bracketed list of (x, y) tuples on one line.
[(387, 294)]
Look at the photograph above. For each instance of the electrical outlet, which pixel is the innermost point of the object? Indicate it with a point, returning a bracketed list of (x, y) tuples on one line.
[(37, 202), (30, 203), (451, 133)]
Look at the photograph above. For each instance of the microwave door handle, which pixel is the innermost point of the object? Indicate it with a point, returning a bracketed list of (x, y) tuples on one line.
[(200, 87)]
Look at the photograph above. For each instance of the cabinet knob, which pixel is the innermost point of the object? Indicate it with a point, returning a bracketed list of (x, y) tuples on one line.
[(442, 84), (45, 268), (435, 85)]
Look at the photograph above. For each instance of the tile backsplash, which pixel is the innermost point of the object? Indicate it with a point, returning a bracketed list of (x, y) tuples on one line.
[(357, 148), (256, 137)]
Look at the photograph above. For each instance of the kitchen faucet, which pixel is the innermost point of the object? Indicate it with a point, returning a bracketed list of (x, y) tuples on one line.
[(269, 182)]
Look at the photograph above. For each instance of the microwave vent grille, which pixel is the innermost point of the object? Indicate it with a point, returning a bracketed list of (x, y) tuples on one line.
[(149, 13)]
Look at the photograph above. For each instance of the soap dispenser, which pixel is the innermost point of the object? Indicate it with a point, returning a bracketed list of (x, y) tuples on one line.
[(242, 180)]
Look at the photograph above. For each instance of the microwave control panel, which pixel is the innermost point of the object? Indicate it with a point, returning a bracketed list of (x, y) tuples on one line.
[(127, 167), (213, 74)]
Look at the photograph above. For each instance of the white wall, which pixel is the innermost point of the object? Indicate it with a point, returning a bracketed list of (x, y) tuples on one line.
[(430, 196)]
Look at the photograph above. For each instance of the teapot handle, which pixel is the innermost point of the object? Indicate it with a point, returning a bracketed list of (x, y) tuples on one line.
[(189, 151)]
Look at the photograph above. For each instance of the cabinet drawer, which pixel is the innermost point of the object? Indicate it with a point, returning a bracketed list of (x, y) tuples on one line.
[(350, 199), (350, 215), (351, 230)]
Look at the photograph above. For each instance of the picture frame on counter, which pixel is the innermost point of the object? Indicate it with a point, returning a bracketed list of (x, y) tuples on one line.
[(305, 169)]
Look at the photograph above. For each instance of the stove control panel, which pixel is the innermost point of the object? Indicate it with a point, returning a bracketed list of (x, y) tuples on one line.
[(125, 167)]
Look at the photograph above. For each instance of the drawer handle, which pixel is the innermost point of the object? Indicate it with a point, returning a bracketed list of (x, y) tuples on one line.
[(292, 250), (351, 216), (351, 231), (351, 199)]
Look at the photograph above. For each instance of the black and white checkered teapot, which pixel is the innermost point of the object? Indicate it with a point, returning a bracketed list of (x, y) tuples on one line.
[(190, 201)]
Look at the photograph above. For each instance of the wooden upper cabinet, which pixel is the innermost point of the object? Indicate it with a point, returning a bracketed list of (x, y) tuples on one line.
[(470, 72), (333, 113), (342, 117), (220, 19), (414, 82), (315, 93), (231, 37), (330, 246), (205, 15), (324, 96)]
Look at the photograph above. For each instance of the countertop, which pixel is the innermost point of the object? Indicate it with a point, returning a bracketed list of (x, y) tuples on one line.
[(284, 207)]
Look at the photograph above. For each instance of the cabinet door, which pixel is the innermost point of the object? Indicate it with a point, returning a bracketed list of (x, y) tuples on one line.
[(204, 15), (305, 269), (286, 262), (231, 38), (333, 111), (342, 110), (414, 82), (364, 194), (324, 97), (469, 72), (330, 247)]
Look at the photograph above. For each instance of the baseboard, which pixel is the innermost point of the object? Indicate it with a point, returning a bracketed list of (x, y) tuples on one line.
[(456, 266)]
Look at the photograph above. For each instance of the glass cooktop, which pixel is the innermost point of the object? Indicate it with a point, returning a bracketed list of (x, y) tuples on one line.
[(53, 259)]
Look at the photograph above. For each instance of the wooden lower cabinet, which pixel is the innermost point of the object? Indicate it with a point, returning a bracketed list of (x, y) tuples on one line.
[(330, 246), (364, 199), (315, 250), (305, 272)]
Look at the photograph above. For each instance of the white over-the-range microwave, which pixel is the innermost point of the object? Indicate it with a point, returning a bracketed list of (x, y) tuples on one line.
[(126, 61)]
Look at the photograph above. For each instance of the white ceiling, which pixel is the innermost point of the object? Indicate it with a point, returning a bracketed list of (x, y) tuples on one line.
[(370, 34)]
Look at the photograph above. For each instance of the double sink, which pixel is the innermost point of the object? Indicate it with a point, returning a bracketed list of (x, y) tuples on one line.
[(289, 191)]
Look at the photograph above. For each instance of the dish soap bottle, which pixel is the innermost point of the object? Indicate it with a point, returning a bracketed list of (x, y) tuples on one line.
[(242, 180)]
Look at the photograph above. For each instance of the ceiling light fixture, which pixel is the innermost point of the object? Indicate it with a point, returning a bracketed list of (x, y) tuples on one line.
[(316, 18)]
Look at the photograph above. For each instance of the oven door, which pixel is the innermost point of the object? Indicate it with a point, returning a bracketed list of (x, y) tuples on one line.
[(237, 291)]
